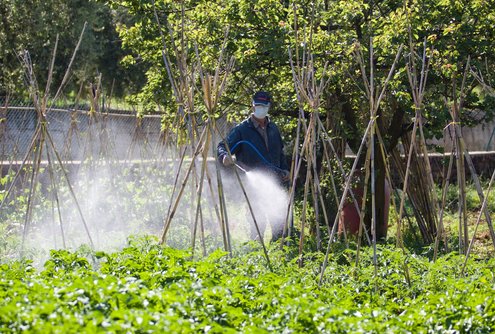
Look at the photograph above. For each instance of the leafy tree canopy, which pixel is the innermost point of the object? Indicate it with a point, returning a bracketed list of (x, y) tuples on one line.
[(33, 26), (261, 33)]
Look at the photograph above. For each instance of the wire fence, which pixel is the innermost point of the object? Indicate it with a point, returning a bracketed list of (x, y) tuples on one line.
[(79, 132)]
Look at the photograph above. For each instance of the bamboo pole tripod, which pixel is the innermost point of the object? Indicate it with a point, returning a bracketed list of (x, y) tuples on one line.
[(42, 146)]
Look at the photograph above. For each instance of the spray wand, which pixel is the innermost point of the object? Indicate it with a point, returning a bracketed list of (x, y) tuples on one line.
[(240, 168)]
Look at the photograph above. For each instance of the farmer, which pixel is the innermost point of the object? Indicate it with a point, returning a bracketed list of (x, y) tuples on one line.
[(257, 145)]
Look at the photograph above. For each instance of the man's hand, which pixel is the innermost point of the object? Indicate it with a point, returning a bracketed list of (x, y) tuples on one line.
[(286, 176), (227, 160)]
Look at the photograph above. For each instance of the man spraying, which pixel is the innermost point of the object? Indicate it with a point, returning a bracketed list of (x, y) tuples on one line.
[(257, 145)]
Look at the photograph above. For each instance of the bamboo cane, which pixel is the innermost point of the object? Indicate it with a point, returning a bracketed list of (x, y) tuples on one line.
[(445, 187), (213, 88), (223, 216), (332, 181), (461, 183), (309, 89), (295, 159), (374, 100), (67, 71), (363, 205), (50, 75), (183, 96), (318, 192), (71, 190), (490, 91), (400, 241), (315, 193), (460, 139), (477, 184), (418, 84), (287, 229), (42, 133), (303, 214), (372, 163), (342, 200), (55, 193), (351, 192), (461, 179), (171, 213), (200, 187), (32, 186), (483, 207), (304, 147)]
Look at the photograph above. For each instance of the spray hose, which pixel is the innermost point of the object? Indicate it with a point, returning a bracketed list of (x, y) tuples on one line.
[(248, 143)]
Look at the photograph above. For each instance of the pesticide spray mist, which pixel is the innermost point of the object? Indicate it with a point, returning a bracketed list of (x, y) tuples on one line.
[(122, 187), (119, 201), (268, 199), (116, 186)]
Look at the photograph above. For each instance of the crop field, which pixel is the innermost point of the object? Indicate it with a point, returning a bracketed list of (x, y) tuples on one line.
[(53, 280), (148, 288), (129, 282)]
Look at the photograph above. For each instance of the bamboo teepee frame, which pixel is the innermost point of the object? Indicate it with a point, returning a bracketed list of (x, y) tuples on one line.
[(43, 144)]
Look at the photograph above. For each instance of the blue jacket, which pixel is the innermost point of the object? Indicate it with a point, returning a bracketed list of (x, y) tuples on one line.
[(246, 155)]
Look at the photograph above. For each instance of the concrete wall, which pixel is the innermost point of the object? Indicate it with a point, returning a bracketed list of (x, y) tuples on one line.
[(478, 138)]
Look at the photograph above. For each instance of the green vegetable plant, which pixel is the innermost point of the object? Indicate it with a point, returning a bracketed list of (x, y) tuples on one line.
[(146, 287)]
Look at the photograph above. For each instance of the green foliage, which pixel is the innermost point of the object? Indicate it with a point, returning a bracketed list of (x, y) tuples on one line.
[(34, 26), (148, 288), (261, 33), (473, 201)]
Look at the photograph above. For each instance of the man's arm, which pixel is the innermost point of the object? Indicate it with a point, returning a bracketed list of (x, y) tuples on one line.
[(232, 138)]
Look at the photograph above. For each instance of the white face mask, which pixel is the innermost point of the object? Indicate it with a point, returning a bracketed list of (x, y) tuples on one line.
[(261, 111)]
